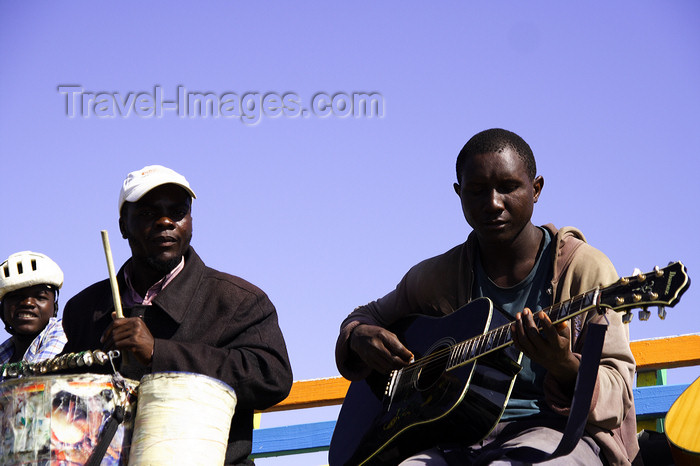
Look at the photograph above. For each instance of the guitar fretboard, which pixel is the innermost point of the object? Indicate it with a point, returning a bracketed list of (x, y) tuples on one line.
[(469, 350)]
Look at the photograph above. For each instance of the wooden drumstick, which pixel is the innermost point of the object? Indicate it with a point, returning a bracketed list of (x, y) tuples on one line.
[(112, 275)]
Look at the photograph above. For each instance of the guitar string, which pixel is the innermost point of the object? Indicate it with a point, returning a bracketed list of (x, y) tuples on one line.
[(475, 345), (482, 344), (473, 348)]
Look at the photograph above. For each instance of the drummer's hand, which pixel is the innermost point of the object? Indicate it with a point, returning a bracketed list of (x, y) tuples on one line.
[(379, 348), (130, 334)]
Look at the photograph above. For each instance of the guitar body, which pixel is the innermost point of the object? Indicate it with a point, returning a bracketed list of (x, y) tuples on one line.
[(429, 406), (683, 426)]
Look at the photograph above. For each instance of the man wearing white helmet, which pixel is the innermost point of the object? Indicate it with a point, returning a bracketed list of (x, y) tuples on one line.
[(29, 284), (181, 315)]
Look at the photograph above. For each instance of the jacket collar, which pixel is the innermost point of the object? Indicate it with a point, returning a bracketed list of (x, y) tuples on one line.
[(562, 253), (175, 299)]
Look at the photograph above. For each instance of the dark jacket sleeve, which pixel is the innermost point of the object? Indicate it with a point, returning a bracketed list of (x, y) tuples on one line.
[(235, 338), (86, 316)]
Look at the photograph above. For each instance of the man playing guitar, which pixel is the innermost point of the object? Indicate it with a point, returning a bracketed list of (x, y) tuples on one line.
[(522, 268)]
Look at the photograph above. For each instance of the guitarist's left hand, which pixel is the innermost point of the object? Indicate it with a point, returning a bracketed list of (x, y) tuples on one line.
[(549, 346)]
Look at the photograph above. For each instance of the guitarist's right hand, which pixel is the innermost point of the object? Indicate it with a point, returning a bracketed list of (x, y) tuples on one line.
[(379, 349)]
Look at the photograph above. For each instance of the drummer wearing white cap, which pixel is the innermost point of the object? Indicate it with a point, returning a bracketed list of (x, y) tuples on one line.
[(181, 315), (29, 284)]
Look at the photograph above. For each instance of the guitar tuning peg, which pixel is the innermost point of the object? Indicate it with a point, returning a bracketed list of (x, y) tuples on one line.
[(638, 273), (658, 272), (662, 312), (644, 314), (627, 317)]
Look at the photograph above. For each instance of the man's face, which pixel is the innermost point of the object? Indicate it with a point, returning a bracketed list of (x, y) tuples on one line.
[(497, 195), (28, 310), (159, 226)]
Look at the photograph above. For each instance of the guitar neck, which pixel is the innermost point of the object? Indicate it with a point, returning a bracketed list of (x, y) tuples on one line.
[(660, 287), (500, 337)]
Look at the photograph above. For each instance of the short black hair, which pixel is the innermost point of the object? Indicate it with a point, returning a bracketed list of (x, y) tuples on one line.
[(495, 140)]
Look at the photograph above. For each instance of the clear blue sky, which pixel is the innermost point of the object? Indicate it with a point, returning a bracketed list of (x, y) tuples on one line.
[(326, 213)]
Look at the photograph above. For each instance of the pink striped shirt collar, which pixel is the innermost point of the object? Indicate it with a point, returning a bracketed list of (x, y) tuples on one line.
[(133, 298)]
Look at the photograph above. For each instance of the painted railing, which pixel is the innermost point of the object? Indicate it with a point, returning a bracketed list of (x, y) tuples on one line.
[(653, 397)]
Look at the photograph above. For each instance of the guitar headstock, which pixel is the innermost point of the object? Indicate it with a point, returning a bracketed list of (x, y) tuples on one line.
[(660, 287)]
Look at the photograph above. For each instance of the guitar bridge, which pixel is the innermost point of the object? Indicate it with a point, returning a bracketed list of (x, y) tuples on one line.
[(391, 386)]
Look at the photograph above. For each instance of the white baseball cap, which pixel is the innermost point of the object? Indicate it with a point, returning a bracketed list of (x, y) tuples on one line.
[(139, 182)]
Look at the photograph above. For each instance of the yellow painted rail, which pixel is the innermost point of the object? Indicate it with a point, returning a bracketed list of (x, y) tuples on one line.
[(314, 393), (667, 353), (657, 353)]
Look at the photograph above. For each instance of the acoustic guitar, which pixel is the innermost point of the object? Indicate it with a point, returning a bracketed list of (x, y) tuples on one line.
[(465, 366), (683, 426)]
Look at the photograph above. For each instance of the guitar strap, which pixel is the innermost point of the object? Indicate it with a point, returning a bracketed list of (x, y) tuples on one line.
[(108, 431), (580, 406)]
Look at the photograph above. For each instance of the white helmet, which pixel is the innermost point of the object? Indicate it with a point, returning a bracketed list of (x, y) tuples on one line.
[(25, 269)]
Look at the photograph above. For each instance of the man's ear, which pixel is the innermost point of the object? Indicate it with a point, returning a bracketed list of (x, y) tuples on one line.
[(537, 186), (122, 228), (55, 302), (458, 188)]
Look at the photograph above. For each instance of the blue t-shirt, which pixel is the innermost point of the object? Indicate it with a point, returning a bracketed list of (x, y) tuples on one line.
[(527, 397)]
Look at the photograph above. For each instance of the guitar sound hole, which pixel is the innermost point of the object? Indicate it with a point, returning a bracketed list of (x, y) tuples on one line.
[(431, 372)]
